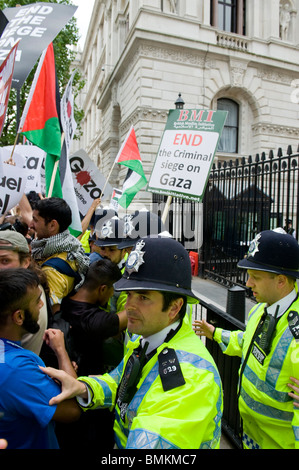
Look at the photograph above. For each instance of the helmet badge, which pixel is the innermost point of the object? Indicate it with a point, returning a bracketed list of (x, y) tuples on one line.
[(254, 246), (129, 227), (106, 230), (135, 259)]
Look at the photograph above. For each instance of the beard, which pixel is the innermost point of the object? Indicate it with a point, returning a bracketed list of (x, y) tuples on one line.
[(30, 325)]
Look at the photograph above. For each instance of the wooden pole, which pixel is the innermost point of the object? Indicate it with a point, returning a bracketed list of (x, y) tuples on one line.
[(55, 170), (166, 209)]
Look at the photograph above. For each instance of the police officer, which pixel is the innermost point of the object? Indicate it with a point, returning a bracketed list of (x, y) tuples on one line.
[(269, 346), (167, 391)]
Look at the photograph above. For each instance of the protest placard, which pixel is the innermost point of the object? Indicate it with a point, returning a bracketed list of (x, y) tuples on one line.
[(31, 158), (36, 24), (186, 153), (12, 186), (88, 181)]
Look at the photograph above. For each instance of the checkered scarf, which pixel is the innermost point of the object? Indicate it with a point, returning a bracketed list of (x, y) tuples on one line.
[(60, 243)]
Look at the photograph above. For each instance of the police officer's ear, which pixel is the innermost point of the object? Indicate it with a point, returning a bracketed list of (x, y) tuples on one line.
[(174, 308)]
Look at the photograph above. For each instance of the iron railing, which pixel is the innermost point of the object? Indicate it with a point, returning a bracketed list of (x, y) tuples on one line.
[(243, 198)]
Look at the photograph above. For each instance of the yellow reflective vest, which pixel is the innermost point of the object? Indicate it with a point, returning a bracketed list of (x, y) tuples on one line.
[(186, 416), (270, 420)]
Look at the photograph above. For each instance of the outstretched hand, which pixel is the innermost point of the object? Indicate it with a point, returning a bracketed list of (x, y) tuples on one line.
[(203, 328), (295, 388), (70, 387)]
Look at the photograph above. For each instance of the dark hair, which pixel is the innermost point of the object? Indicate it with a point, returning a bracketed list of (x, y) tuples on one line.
[(101, 272), (55, 208), (169, 297), (14, 285)]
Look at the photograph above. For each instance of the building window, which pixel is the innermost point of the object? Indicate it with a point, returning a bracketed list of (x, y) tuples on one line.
[(229, 139), (229, 15)]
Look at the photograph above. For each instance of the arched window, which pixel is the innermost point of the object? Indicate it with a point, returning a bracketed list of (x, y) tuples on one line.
[(229, 139)]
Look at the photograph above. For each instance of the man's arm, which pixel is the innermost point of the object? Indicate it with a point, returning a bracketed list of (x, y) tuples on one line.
[(55, 339)]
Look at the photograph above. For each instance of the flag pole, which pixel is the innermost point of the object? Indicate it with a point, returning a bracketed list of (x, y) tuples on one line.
[(166, 209), (55, 170), (107, 179)]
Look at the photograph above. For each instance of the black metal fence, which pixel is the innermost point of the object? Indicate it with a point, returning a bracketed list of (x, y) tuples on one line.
[(244, 197)]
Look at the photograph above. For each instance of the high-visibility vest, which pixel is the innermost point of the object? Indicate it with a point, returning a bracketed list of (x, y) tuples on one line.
[(185, 416), (269, 418)]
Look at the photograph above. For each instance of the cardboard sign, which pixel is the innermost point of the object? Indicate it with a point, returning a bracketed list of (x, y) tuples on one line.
[(36, 24), (88, 181), (31, 158), (186, 153), (12, 186)]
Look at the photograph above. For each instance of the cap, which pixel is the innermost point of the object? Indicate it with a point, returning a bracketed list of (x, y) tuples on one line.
[(274, 252), (160, 264), (140, 224), (111, 233), (15, 241)]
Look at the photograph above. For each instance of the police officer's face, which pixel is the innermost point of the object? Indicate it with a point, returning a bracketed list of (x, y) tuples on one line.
[(264, 286), (111, 252), (145, 314)]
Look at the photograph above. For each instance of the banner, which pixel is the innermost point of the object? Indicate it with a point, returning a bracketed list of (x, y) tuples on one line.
[(37, 25), (6, 74), (12, 186), (67, 118), (88, 181), (30, 158), (186, 153)]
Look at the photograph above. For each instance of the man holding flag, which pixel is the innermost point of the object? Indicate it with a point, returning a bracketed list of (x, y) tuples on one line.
[(41, 125)]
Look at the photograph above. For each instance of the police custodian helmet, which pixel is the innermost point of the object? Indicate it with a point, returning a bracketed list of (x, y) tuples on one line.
[(160, 264), (273, 252)]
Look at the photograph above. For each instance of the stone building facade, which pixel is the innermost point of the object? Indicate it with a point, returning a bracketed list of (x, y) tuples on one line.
[(238, 55)]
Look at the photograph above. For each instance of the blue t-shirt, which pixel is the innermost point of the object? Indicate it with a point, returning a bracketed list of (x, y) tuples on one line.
[(25, 392)]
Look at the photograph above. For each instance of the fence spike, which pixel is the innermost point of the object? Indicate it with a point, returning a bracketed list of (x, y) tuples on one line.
[(263, 156), (271, 155), (289, 150), (279, 152)]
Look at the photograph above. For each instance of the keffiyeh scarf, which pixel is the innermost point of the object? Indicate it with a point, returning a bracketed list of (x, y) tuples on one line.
[(62, 242)]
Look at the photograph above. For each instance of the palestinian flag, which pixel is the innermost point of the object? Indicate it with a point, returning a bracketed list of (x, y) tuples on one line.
[(135, 180), (40, 121)]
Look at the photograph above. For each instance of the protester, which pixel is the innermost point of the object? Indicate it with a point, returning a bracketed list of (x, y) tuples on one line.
[(59, 253), (167, 391), (14, 253), (28, 420), (91, 332), (269, 346)]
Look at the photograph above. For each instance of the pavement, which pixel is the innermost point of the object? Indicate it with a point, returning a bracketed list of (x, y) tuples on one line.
[(213, 293)]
